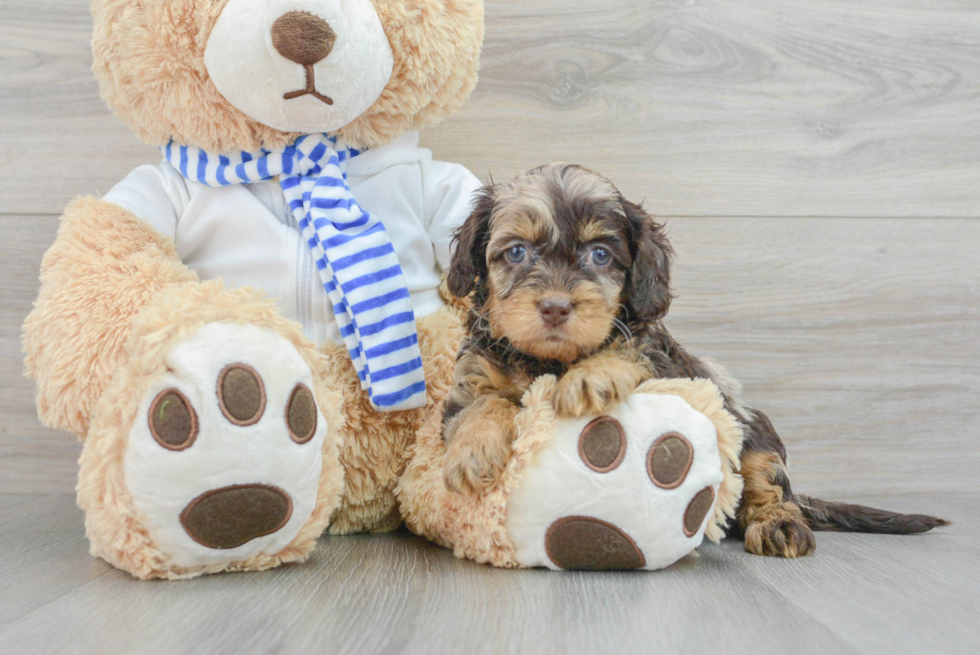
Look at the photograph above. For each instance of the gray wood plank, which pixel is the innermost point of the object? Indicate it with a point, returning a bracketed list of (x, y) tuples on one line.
[(885, 593), (44, 553), (33, 459), (858, 337), (396, 593), (717, 107)]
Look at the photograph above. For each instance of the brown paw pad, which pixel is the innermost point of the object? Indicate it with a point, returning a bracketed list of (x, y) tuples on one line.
[(669, 460), (231, 517), (585, 543), (301, 414), (241, 394), (602, 444), (173, 421), (697, 510)]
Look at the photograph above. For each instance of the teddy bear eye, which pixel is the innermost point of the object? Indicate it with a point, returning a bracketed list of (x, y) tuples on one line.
[(600, 257), (516, 254)]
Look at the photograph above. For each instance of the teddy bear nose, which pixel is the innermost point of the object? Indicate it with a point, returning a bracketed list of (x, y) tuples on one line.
[(555, 310), (302, 37)]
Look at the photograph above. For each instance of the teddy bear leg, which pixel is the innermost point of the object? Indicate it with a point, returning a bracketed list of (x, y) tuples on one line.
[(634, 488), (103, 269), (215, 446), (638, 487), (377, 445)]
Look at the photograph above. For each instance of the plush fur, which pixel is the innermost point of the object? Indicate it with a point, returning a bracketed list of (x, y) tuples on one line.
[(376, 445), (149, 60), (106, 270), (564, 235), (115, 297), (103, 269), (474, 525), (112, 523)]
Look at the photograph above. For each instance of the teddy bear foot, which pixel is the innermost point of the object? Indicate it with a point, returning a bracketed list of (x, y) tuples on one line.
[(223, 466), (629, 490), (636, 488), (224, 458)]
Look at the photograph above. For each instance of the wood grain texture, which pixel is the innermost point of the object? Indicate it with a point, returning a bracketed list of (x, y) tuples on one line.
[(399, 594), (33, 459), (859, 338), (706, 107)]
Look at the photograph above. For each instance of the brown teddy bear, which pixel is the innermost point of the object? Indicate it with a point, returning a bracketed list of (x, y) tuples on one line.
[(250, 335)]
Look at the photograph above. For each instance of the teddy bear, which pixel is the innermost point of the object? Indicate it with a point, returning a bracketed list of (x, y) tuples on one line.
[(251, 337)]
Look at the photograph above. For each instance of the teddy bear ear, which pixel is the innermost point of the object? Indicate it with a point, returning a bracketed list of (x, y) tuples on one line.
[(148, 58), (435, 77)]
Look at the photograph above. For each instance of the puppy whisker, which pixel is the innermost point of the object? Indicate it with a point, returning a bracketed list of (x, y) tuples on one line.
[(623, 329)]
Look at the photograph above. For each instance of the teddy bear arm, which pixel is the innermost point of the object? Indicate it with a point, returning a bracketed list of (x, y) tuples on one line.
[(104, 267)]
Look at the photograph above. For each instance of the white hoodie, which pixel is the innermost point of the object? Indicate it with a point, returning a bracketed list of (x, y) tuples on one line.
[(246, 235)]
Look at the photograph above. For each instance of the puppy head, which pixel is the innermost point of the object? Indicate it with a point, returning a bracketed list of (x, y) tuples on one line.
[(556, 256)]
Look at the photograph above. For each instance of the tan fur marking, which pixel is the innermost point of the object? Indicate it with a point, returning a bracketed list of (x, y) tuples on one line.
[(592, 386), (478, 453), (518, 318), (476, 376), (773, 527), (595, 231), (525, 219)]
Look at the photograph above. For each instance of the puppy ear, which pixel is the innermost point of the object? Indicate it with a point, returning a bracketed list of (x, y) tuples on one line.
[(648, 282), (469, 261)]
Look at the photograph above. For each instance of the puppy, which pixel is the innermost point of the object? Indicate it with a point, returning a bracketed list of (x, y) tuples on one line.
[(566, 277)]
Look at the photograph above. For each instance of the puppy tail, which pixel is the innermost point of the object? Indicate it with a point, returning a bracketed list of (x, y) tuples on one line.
[(843, 517)]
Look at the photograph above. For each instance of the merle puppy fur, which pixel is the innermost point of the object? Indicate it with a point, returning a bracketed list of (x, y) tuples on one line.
[(564, 276)]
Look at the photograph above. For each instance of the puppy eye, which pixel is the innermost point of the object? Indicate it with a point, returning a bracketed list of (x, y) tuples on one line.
[(516, 254), (600, 257)]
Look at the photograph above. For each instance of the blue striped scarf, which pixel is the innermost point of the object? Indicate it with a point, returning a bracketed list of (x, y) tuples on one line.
[(357, 263)]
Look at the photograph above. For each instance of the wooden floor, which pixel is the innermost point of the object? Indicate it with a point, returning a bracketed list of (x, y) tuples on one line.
[(399, 594), (818, 165)]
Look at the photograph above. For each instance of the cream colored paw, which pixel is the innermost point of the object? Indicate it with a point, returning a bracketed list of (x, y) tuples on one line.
[(224, 460)]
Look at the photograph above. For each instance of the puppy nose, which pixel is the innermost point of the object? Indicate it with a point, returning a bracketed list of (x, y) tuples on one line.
[(302, 37), (555, 310)]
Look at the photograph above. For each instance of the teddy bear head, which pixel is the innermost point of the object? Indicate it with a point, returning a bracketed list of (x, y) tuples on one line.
[(228, 75)]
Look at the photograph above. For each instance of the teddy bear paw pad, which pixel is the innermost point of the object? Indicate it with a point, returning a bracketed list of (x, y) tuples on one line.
[(226, 461), (629, 490)]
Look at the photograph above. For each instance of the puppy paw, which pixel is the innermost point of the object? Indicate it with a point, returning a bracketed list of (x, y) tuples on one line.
[(473, 465), (591, 390), (779, 532)]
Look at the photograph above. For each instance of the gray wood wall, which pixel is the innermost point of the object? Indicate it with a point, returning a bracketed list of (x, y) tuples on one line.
[(817, 162)]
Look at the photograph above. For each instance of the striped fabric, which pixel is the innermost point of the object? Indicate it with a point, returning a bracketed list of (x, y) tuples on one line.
[(357, 263)]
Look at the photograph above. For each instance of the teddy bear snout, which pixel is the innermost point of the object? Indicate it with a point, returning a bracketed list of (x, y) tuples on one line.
[(303, 37)]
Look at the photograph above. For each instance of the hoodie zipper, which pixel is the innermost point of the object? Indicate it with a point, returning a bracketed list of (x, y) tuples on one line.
[(304, 263)]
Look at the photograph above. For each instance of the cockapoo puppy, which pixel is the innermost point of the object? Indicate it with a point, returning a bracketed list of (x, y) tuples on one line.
[(566, 277)]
